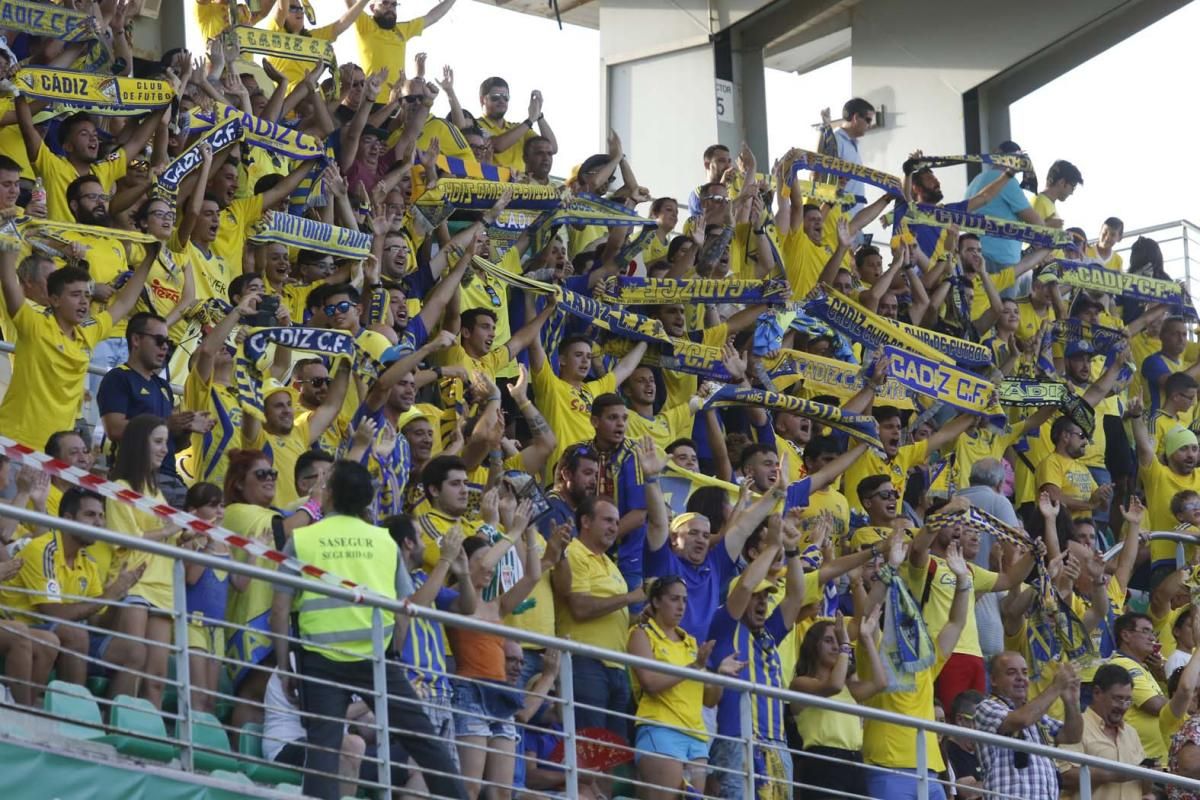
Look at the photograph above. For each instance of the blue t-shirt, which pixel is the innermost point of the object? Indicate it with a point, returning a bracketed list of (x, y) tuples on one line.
[(424, 650), (124, 391), (1154, 368), (1005, 205), (763, 667), (705, 584), (630, 494)]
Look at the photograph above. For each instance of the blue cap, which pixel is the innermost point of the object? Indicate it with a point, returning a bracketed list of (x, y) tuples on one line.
[(1080, 348)]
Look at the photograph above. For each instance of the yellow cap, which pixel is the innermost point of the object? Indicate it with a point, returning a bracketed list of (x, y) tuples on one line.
[(274, 387), (412, 415), (1176, 438), (766, 586)]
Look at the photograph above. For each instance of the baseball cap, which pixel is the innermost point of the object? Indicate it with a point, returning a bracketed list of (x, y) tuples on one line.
[(1080, 348), (682, 520), (1009, 146), (412, 415), (1176, 438), (768, 586)]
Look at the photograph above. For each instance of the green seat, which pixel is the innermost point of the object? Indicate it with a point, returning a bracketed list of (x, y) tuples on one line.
[(170, 696), (231, 777), (250, 745), (138, 730), (208, 736), (224, 705), (97, 685), (77, 711)]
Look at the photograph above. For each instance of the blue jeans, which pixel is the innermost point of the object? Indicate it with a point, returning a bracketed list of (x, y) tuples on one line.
[(895, 786), (730, 756), (604, 689)]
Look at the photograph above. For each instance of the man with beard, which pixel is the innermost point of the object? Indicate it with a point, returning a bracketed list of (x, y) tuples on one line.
[(895, 461), (1065, 479), (289, 17), (508, 138), (382, 40), (81, 148), (667, 425), (138, 387), (575, 479), (1163, 479), (54, 348), (970, 255)]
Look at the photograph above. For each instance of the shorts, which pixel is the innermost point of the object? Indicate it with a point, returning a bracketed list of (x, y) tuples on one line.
[(666, 742), (473, 717), (206, 638), (292, 754), (137, 600)]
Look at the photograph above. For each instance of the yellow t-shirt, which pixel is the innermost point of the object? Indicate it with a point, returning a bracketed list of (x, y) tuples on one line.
[(539, 618), (44, 569), (208, 450), (679, 706), (156, 584), (293, 70), (164, 286), (1161, 484), (1030, 320), (212, 273), (597, 575), (236, 221), (433, 525), (873, 462), (513, 157), (821, 728), (57, 174), (803, 262), (213, 17), (1144, 688), (48, 374), (379, 47), (106, 261), (941, 596), (568, 410), (492, 294), (283, 452), (1072, 478), (1044, 206), (974, 446), (980, 305), (833, 502), (894, 745), (667, 425), (11, 143)]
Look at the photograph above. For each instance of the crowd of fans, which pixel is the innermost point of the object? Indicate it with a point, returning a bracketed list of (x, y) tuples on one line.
[(521, 457)]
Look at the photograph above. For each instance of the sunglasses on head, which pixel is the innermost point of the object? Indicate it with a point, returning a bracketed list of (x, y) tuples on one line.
[(266, 474), (338, 308)]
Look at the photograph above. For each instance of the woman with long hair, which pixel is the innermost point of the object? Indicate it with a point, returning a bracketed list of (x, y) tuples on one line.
[(671, 742), (823, 668), (249, 493), (149, 602)]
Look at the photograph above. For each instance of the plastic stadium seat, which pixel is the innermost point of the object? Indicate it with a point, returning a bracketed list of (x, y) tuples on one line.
[(97, 685), (139, 731), (77, 711), (207, 736), (231, 777), (250, 745)]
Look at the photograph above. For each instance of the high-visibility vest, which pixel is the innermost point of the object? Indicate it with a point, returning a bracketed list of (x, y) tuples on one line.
[(358, 552)]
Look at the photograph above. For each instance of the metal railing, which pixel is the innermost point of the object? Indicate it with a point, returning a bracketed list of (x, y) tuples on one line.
[(1180, 244), (185, 716)]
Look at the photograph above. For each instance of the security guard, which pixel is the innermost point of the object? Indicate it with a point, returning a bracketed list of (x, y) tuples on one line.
[(337, 643)]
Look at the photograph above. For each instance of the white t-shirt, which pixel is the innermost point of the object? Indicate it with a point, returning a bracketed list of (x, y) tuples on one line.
[(281, 720), (1177, 660)]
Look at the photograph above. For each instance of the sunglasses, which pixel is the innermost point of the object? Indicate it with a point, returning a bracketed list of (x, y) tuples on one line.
[(498, 97), (338, 308), (266, 474), (159, 339), (716, 198), (890, 495), (317, 383)]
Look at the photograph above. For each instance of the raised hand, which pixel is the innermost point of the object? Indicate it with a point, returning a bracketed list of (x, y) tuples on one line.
[(735, 363), (535, 104), (1048, 505), (521, 517), (364, 434), (653, 462), (489, 506), (452, 542), (956, 562), (447, 81), (560, 537), (1135, 512)]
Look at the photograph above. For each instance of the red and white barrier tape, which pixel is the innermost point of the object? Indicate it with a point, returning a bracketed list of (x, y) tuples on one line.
[(29, 457)]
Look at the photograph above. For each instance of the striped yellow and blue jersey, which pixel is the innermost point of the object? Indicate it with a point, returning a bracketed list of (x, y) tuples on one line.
[(763, 667), (424, 653)]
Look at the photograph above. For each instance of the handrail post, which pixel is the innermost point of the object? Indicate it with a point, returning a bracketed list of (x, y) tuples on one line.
[(383, 739), (748, 735), (183, 672), (922, 767), (566, 675), (1085, 782)]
